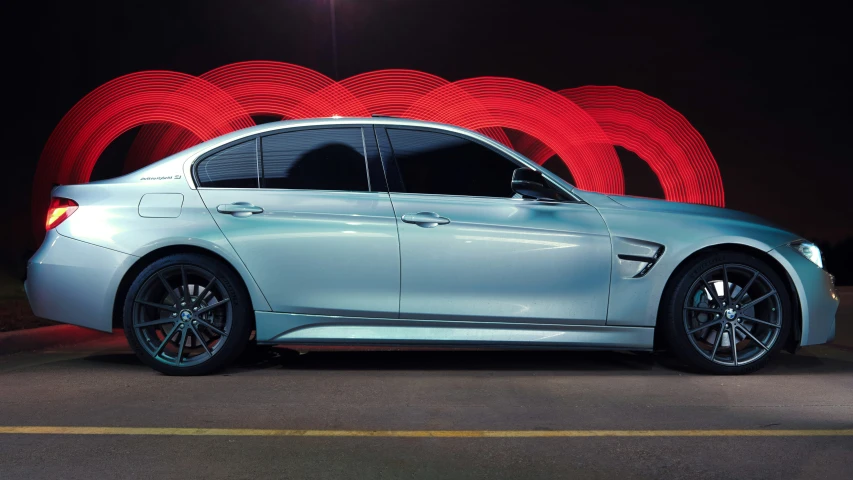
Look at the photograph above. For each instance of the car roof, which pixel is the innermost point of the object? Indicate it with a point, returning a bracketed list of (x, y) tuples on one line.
[(193, 152), (201, 148), (187, 157), (313, 122)]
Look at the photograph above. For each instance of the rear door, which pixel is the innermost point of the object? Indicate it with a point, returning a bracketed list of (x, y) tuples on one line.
[(471, 252), (313, 224)]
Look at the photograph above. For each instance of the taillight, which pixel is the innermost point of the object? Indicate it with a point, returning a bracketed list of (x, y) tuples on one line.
[(60, 209)]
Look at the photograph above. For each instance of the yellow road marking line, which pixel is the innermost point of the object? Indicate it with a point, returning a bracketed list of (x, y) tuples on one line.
[(260, 432)]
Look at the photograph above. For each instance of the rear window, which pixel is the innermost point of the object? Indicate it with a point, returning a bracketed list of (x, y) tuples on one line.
[(319, 159), (232, 167)]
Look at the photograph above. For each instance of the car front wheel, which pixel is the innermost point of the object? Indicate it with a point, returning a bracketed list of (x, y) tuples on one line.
[(727, 313), (187, 314)]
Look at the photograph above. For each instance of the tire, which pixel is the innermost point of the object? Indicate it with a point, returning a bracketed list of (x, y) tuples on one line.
[(177, 310), (699, 315)]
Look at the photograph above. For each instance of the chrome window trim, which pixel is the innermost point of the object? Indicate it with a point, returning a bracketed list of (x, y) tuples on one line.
[(359, 192), (369, 122)]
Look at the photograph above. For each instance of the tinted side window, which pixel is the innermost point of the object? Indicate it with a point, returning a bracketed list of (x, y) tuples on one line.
[(321, 159), (233, 167), (438, 163)]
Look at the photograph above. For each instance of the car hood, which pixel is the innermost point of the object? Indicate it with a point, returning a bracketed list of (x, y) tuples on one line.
[(686, 223), (655, 205)]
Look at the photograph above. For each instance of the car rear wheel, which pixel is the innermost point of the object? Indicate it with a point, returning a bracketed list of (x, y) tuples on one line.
[(187, 314), (727, 313)]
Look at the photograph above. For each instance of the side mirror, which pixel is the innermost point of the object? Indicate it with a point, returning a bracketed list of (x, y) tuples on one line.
[(530, 183)]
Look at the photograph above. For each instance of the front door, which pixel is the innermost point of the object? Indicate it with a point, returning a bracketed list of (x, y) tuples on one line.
[(471, 252), (314, 236)]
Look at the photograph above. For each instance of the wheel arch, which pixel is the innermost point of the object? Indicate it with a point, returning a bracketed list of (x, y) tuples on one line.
[(793, 340), (156, 254)]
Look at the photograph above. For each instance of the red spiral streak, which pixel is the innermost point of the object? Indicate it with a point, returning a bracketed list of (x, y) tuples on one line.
[(124, 103), (580, 125), (658, 134)]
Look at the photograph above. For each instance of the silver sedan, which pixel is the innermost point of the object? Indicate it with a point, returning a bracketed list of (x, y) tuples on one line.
[(383, 231)]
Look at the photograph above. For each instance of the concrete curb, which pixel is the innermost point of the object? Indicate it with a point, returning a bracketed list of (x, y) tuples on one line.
[(46, 337)]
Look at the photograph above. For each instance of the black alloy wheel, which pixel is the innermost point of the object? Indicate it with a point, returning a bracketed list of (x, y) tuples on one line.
[(727, 313), (187, 314)]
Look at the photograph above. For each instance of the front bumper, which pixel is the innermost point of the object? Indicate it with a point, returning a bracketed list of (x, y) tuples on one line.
[(817, 295), (74, 282)]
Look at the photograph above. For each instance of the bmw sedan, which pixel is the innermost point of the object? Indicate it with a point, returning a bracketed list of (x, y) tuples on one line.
[(392, 232)]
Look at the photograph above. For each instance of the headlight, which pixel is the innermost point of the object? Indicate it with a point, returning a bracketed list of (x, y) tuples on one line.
[(810, 251)]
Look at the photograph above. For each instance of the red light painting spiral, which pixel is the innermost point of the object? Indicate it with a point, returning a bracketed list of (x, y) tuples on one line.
[(580, 125)]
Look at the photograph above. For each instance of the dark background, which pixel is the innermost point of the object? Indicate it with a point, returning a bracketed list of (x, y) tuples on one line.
[(766, 85)]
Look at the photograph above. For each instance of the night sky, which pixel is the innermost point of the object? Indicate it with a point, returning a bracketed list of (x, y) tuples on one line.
[(768, 87)]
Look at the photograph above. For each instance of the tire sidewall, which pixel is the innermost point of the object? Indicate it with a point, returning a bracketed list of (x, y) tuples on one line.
[(241, 322), (676, 333)]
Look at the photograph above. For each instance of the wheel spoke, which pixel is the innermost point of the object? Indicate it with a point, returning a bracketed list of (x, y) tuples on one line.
[(181, 347), (753, 319), (208, 325), (759, 299), (185, 286), (161, 321), (212, 306), (733, 342), (165, 340), (726, 290), (203, 293), (750, 335), (201, 339), (161, 306), (712, 292), (702, 327), (704, 309), (166, 285), (717, 343), (745, 288)]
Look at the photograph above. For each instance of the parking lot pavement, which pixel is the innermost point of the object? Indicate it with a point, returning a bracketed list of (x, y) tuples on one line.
[(103, 385), (419, 414)]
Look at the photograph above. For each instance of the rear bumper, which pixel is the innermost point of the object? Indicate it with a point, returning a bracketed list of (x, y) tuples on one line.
[(817, 295), (74, 282)]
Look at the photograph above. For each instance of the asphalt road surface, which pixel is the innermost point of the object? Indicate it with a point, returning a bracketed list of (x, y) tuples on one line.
[(416, 414)]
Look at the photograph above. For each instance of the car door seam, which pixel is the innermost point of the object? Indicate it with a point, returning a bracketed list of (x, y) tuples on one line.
[(269, 305), (610, 282), (399, 257)]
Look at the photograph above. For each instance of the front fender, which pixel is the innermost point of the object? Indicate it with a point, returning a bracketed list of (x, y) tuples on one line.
[(635, 301), (816, 292)]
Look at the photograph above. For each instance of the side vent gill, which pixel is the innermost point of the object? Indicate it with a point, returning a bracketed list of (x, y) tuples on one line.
[(636, 257)]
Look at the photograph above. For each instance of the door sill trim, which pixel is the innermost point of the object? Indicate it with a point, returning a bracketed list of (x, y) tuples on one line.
[(290, 328)]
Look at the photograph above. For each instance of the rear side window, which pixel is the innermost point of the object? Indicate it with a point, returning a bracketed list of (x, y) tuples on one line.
[(321, 159), (442, 164), (232, 167)]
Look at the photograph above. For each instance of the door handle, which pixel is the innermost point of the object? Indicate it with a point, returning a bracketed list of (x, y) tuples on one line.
[(425, 219), (239, 209)]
